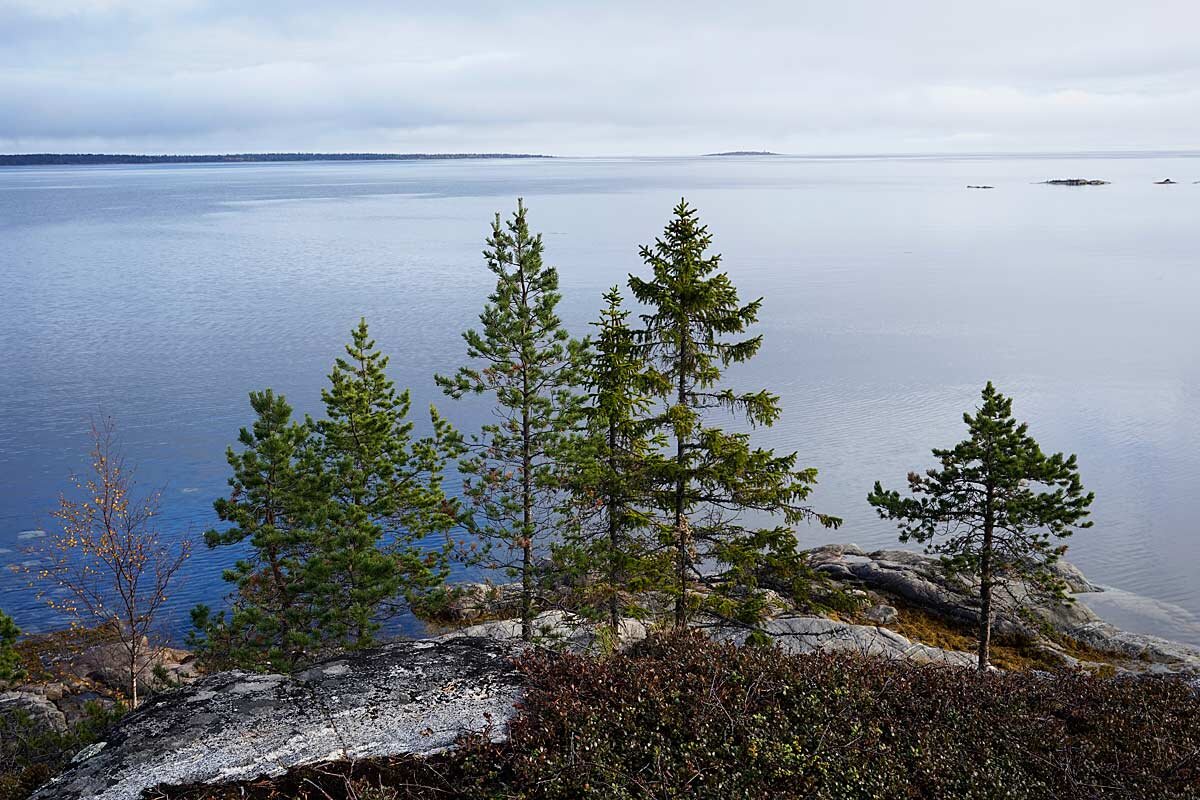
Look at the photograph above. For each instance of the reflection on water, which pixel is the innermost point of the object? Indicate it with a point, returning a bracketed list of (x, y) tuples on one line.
[(1135, 612), (163, 294)]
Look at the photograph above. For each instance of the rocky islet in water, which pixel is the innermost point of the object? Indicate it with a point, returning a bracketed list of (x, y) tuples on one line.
[(1076, 182)]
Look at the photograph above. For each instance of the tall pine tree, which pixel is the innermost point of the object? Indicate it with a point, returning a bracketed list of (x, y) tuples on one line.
[(386, 495), (996, 508), (523, 357), (713, 477), (610, 550)]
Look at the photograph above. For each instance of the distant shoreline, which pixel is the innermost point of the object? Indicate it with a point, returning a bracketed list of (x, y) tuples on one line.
[(75, 159)]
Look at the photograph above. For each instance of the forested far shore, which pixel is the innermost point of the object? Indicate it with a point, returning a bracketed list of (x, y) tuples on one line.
[(64, 159)]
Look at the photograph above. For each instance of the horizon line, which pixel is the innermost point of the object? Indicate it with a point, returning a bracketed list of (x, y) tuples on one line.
[(46, 158)]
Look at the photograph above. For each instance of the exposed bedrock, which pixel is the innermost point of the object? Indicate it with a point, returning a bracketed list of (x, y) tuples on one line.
[(408, 697)]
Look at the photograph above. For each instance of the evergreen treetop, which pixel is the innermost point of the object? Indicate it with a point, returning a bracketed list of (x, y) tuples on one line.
[(689, 336), (386, 494), (524, 357)]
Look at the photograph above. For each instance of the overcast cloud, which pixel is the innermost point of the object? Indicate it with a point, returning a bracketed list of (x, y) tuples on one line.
[(610, 78)]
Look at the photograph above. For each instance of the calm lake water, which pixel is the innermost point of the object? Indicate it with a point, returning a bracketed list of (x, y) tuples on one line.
[(163, 294)]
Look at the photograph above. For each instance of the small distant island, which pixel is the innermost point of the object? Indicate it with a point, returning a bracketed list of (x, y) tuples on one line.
[(741, 153), (1076, 182), (60, 159)]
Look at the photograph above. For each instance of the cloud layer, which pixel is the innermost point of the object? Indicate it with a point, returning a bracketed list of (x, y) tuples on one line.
[(597, 79)]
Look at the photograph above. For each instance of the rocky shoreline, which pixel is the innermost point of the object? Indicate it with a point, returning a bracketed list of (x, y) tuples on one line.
[(417, 697), (895, 589)]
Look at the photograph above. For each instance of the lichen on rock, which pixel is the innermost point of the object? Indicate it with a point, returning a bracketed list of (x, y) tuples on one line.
[(402, 698)]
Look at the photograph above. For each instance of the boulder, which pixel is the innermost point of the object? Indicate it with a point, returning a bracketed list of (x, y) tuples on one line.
[(1154, 653), (34, 707), (920, 580), (818, 634), (107, 664), (881, 614), (474, 601), (557, 630), (403, 698)]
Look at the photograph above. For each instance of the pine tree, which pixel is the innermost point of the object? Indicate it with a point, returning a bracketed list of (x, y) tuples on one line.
[(995, 508), (10, 660), (715, 477), (609, 545), (274, 505), (528, 362), (335, 513), (386, 496)]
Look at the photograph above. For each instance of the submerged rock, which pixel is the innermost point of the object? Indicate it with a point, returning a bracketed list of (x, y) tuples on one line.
[(408, 697)]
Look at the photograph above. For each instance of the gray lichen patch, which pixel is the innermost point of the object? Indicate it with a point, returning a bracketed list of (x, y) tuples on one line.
[(403, 698)]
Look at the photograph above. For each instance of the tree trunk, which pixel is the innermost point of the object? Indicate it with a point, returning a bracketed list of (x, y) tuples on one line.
[(281, 587), (526, 521), (134, 647), (681, 538), (985, 586), (985, 622), (614, 539)]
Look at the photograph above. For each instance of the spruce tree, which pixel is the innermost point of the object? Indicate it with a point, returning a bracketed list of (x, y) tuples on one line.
[(610, 549), (712, 477), (996, 509), (274, 506), (386, 496), (522, 356)]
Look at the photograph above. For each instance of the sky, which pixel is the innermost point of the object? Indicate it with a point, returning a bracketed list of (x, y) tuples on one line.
[(598, 79)]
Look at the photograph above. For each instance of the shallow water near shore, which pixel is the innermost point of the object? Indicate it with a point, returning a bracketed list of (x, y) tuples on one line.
[(163, 294)]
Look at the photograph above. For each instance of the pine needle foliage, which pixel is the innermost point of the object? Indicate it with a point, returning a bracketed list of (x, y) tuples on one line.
[(610, 550), (386, 491), (10, 660), (523, 357), (996, 510), (337, 516), (277, 496), (691, 333)]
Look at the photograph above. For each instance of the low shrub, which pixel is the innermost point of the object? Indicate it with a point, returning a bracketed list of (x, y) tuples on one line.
[(682, 717), (10, 662), (30, 753)]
